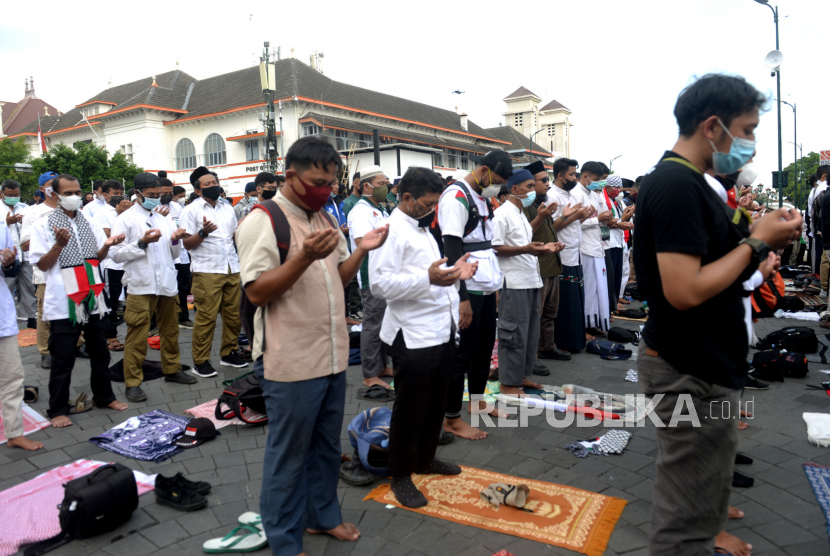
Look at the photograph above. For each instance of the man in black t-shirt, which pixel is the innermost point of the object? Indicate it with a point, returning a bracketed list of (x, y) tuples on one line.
[(691, 260)]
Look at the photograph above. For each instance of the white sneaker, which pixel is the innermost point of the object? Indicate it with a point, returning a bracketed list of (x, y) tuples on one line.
[(823, 294)]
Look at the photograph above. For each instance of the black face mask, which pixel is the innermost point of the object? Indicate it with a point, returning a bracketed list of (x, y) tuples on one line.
[(568, 185), (115, 199), (426, 219), (268, 194), (211, 193), (165, 199)]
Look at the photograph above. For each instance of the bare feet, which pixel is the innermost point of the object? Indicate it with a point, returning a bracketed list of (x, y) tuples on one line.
[(746, 414), (375, 380), (459, 427), (530, 384), (61, 421), (589, 338), (515, 391), (732, 544), (23, 442), (119, 406), (742, 426), (343, 532), (735, 513), (482, 408), (387, 371)]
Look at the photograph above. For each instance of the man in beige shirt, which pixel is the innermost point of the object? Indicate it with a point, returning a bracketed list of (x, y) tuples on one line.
[(301, 346)]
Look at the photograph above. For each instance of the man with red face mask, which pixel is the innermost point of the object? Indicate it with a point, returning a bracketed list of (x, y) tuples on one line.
[(301, 346)]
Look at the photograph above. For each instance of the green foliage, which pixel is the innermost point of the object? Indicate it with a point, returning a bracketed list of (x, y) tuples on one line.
[(15, 152), (796, 174)]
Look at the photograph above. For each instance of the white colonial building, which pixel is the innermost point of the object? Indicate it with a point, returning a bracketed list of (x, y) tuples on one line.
[(175, 122)]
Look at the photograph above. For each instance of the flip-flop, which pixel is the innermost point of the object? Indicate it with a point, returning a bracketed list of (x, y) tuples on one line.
[(376, 393), (252, 539), (251, 519), (81, 405), (30, 394), (115, 345)]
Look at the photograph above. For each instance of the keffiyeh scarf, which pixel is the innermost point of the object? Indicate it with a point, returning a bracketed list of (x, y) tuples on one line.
[(79, 268)]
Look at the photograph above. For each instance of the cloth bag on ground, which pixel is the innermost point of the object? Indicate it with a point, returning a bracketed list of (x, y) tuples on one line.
[(509, 495), (368, 432), (608, 350)]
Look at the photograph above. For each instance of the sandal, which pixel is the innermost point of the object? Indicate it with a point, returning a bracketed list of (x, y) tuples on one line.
[(114, 345), (376, 393), (251, 519), (510, 495), (252, 539), (81, 404)]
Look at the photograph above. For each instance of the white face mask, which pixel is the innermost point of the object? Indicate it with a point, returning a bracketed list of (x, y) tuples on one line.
[(181, 201), (70, 202), (100, 198), (48, 191), (747, 176)]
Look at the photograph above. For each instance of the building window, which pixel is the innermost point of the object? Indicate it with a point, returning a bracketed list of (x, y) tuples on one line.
[(451, 161), (311, 129), (517, 120), (185, 155), (464, 162), (551, 130), (438, 160), (252, 150), (215, 150), (90, 111)]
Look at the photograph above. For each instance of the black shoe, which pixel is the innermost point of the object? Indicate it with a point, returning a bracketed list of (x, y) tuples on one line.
[(46, 361), (81, 353), (540, 369), (199, 487), (181, 378), (233, 360), (205, 370), (555, 353), (742, 459), (173, 492), (445, 438), (753, 383), (353, 473), (135, 394), (31, 323), (741, 481)]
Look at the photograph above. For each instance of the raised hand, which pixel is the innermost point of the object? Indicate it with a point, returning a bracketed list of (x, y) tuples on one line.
[(778, 228), (570, 210), (468, 270), (178, 234), (114, 240), (208, 226), (605, 216), (163, 210), (546, 210), (62, 236), (537, 248), (151, 236), (320, 244), (13, 219), (445, 276), (555, 247), (7, 256), (124, 205), (375, 238)]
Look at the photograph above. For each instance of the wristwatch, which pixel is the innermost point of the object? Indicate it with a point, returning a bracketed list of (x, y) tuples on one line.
[(563, 217), (760, 250), (203, 234), (142, 245)]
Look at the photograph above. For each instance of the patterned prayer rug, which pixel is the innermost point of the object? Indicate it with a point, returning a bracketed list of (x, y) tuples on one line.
[(27, 337), (575, 519), (819, 477)]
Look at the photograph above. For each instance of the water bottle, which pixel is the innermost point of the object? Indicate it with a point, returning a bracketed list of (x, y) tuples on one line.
[(779, 313)]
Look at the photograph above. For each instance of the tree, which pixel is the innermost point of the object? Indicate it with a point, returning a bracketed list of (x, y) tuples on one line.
[(15, 152), (87, 162), (796, 175)]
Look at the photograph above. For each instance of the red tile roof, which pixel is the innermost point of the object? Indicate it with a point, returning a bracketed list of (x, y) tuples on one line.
[(25, 112)]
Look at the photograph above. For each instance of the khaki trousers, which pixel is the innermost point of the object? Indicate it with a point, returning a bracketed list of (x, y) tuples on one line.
[(11, 387), (550, 308), (212, 294), (43, 326), (137, 315)]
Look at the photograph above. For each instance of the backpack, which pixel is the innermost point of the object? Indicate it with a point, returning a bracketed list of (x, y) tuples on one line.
[(766, 365), (632, 313), (623, 336), (768, 298), (367, 433), (608, 350), (793, 365), (474, 218), (795, 338), (245, 392), (282, 231), (93, 504), (632, 290)]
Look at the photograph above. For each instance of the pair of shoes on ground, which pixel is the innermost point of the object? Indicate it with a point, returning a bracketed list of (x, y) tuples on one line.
[(136, 394), (180, 493), (248, 537)]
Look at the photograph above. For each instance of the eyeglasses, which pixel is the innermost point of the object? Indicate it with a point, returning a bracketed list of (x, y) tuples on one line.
[(543, 180)]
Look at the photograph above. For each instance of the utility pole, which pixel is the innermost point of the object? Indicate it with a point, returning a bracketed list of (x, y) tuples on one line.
[(778, 84), (268, 119)]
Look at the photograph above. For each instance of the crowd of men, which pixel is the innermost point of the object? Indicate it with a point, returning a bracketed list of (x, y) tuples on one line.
[(433, 270)]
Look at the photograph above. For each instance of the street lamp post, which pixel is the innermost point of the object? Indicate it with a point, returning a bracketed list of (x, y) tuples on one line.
[(778, 82), (798, 172), (611, 166), (795, 138)]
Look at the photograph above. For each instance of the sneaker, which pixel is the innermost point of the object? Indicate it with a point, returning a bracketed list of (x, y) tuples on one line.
[(354, 316), (181, 378), (359, 315), (31, 323), (753, 383), (187, 324), (173, 492), (205, 370), (822, 294), (233, 360), (46, 361)]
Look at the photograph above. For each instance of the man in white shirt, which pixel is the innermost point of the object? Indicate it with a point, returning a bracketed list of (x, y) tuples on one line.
[(210, 226), (113, 192), (465, 216), (594, 270), (418, 330), (569, 324), (11, 212), (369, 214), (151, 243), (520, 300), (821, 265), (616, 244), (182, 263), (68, 248), (92, 208)]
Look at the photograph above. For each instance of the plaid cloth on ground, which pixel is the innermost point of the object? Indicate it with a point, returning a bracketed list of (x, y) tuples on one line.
[(613, 442), (147, 437)]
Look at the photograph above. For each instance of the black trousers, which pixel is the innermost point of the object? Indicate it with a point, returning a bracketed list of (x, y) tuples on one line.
[(472, 358), (616, 255), (62, 341), (114, 288), (421, 380), (185, 280)]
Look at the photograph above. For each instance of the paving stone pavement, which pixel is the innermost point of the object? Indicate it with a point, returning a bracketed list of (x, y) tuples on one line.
[(782, 515)]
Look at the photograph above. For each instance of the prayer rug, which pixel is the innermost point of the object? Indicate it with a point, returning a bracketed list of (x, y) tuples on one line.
[(575, 519), (631, 408), (27, 337), (32, 422), (208, 411), (619, 317), (819, 477)]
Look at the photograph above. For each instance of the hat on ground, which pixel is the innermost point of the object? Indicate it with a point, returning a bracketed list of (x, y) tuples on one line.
[(198, 173), (498, 161), (146, 179), (197, 431), (614, 181), (536, 167), (250, 187), (46, 176), (518, 177), (370, 172)]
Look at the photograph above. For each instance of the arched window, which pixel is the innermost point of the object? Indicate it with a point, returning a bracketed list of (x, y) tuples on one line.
[(185, 155), (214, 150)]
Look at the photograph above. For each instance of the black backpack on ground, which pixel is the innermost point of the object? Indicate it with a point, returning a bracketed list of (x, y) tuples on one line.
[(632, 313), (766, 365), (794, 338), (623, 336), (244, 393), (632, 290), (793, 365), (93, 504)]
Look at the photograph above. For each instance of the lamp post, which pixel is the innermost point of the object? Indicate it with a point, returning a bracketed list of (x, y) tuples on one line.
[(778, 82), (611, 166), (795, 138), (798, 172)]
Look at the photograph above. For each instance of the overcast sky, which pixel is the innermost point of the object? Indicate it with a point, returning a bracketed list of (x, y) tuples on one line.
[(617, 65)]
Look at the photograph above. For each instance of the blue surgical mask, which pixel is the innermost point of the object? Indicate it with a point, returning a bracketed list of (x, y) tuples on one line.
[(596, 185), (527, 201), (149, 203), (739, 154)]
